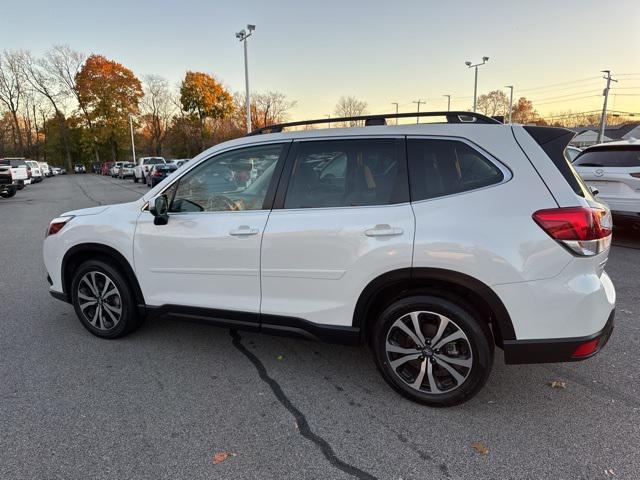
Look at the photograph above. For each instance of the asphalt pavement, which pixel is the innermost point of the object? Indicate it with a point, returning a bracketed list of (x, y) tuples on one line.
[(162, 402)]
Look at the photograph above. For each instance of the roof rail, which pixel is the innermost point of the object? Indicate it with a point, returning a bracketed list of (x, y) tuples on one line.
[(380, 119)]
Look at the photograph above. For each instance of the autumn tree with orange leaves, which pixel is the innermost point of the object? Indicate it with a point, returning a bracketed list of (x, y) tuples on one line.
[(108, 92), (203, 97)]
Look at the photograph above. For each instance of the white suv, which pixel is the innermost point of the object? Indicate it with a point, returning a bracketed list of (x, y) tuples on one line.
[(432, 243)]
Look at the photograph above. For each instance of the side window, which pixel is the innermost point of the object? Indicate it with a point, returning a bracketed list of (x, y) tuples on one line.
[(443, 167), (235, 180), (345, 173)]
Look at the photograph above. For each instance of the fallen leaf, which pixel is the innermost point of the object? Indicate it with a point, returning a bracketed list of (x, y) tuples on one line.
[(480, 448), (558, 384), (279, 357), (610, 472), (222, 456)]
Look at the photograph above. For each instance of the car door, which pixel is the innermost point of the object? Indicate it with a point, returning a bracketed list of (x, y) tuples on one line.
[(341, 218), (208, 254)]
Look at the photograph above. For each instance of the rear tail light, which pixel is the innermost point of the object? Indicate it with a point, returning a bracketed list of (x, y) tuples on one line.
[(157, 173), (585, 349), (57, 224), (583, 231)]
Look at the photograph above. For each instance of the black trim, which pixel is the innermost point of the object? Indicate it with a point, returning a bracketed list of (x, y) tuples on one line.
[(255, 322), (285, 176), (60, 296), (372, 120), (98, 249), (554, 350), (267, 203), (425, 275), (553, 141), (211, 316)]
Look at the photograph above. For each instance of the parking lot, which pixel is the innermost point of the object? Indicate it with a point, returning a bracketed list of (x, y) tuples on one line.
[(162, 402)]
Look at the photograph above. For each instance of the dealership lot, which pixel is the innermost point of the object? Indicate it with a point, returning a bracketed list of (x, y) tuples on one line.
[(162, 402)]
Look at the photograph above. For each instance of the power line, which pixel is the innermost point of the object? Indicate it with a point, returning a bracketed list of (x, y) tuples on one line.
[(561, 96), (582, 80)]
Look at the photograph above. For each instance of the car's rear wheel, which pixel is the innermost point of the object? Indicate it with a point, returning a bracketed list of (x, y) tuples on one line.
[(135, 179), (432, 350), (103, 300), (9, 192), (20, 184)]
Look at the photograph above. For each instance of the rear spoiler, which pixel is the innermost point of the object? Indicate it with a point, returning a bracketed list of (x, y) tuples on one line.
[(554, 141)]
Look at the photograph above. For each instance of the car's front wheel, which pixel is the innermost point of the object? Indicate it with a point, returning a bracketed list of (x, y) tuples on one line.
[(103, 300), (433, 350), (9, 192)]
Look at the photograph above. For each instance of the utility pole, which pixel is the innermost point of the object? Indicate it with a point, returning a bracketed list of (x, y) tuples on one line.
[(396, 104), (418, 102), (133, 145), (242, 35), (475, 82), (510, 87), (448, 102), (605, 93), (329, 117)]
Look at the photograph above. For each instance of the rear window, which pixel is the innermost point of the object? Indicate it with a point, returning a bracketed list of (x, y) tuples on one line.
[(609, 158), (153, 161), (444, 167), (128, 165)]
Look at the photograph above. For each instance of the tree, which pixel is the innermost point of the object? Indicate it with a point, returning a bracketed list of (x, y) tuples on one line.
[(494, 103), (201, 95), (350, 107), (157, 108), (109, 93), (43, 79), (12, 86), (523, 111)]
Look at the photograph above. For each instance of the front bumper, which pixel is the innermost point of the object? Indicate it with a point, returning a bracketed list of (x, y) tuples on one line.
[(556, 349)]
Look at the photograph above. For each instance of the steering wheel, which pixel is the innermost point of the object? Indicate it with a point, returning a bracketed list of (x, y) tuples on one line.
[(221, 203)]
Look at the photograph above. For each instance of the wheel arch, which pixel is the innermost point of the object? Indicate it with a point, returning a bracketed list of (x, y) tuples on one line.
[(385, 288), (86, 251)]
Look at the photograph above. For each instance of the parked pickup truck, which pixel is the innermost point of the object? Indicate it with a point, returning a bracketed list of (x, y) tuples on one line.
[(19, 169), (7, 187), (143, 166)]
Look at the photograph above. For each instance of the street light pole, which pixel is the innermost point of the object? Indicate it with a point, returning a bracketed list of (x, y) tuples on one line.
[(510, 87), (605, 93), (448, 102), (418, 102), (396, 104), (242, 36), (133, 145), (475, 82)]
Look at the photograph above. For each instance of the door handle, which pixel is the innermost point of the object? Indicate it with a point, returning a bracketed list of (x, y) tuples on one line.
[(243, 231), (383, 230)]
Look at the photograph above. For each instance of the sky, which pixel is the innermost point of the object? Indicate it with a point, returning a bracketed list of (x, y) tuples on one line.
[(378, 51)]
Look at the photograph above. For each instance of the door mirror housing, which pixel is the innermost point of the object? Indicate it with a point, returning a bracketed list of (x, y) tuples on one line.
[(159, 208), (594, 191)]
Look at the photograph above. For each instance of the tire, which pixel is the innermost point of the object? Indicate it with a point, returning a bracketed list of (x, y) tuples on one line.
[(20, 184), (426, 368), (135, 179), (8, 193), (109, 324)]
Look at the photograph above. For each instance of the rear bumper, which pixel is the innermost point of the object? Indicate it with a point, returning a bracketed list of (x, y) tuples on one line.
[(556, 349), (60, 296)]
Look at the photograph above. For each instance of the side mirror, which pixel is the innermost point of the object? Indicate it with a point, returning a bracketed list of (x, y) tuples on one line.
[(594, 191), (159, 208)]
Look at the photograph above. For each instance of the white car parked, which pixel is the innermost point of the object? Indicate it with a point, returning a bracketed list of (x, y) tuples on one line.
[(19, 171), (432, 242), (143, 165), (613, 169), (36, 172)]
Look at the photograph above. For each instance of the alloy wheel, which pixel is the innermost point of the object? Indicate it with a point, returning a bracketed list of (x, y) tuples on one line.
[(429, 352), (99, 300)]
